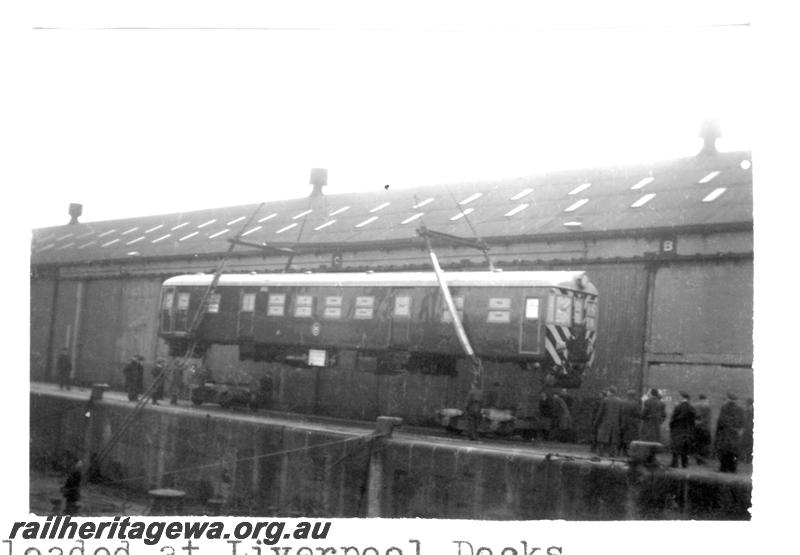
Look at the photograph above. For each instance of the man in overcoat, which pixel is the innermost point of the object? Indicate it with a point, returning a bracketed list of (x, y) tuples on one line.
[(133, 373), (702, 429), (729, 434), (157, 372), (64, 367), (631, 420), (608, 423), (681, 430), (473, 410), (747, 434), (653, 415)]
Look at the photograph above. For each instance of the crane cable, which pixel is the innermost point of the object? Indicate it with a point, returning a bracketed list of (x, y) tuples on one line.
[(105, 450)]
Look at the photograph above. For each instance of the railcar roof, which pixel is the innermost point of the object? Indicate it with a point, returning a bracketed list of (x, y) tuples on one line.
[(704, 190), (561, 279)]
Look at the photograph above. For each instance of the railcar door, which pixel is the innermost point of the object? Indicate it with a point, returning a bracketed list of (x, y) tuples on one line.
[(247, 308), (402, 305), (167, 301), (530, 326)]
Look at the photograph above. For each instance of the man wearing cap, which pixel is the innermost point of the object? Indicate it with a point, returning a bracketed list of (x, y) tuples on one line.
[(631, 420), (64, 365), (729, 432), (702, 429), (609, 418), (653, 414), (134, 373), (681, 430), (157, 372)]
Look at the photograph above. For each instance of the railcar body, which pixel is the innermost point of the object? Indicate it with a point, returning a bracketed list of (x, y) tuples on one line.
[(542, 319)]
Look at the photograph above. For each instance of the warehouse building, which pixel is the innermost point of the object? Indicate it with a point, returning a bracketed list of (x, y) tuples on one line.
[(669, 246)]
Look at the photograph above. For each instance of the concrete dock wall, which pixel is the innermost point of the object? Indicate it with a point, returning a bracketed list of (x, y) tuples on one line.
[(264, 466)]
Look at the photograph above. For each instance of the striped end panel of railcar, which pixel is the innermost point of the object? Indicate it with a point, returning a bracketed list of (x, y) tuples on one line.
[(590, 337), (556, 335)]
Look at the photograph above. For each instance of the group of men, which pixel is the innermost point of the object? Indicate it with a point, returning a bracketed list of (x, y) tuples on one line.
[(619, 421), (133, 372)]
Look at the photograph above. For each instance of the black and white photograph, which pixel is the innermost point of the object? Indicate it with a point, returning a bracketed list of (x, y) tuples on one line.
[(483, 266)]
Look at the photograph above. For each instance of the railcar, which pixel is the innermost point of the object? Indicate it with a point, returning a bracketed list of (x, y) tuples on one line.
[(541, 319)]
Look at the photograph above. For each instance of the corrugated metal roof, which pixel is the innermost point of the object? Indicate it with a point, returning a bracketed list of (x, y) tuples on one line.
[(504, 208)]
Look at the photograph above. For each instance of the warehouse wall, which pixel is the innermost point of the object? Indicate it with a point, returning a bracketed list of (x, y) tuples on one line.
[(119, 321), (43, 291)]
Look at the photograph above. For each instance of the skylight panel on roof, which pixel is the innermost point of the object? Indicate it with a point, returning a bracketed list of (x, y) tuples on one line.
[(339, 210), (265, 218), (129, 231), (286, 228), (184, 224), (326, 224), (579, 188), (109, 232), (218, 233), (235, 220), (643, 182), (745, 165), (108, 244), (252, 230), (379, 207), (155, 227), (85, 235), (161, 238), (47, 247), (189, 236), (715, 194), (67, 236), (522, 193), (423, 203), (135, 240), (83, 246), (412, 218), (470, 198), (367, 221), (66, 245), (462, 214), (517, 209), (573, 224), (575, 205), (303, 213), (642, 201), (204, 224), (709, 177)]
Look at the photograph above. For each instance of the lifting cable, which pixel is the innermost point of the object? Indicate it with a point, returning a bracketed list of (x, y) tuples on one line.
[(461, 334), (105, 450)]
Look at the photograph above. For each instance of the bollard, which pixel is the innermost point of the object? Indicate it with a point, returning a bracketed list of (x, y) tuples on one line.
[(386, 424), (97, 391), (644, 452)]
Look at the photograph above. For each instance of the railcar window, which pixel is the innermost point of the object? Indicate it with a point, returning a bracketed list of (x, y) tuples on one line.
[(364, 308), (577, 312), (275, 304), (303, 306), (183, 301), (499, 310), (248, 302), (213, 303), (402, 306), (532, 309), (169, 298), (499, 303), (591, 315), (333, 307), (563, 315), (459, 302), (499, 317)]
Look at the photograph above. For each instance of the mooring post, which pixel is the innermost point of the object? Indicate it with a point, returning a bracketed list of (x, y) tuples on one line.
[(384, 427)]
